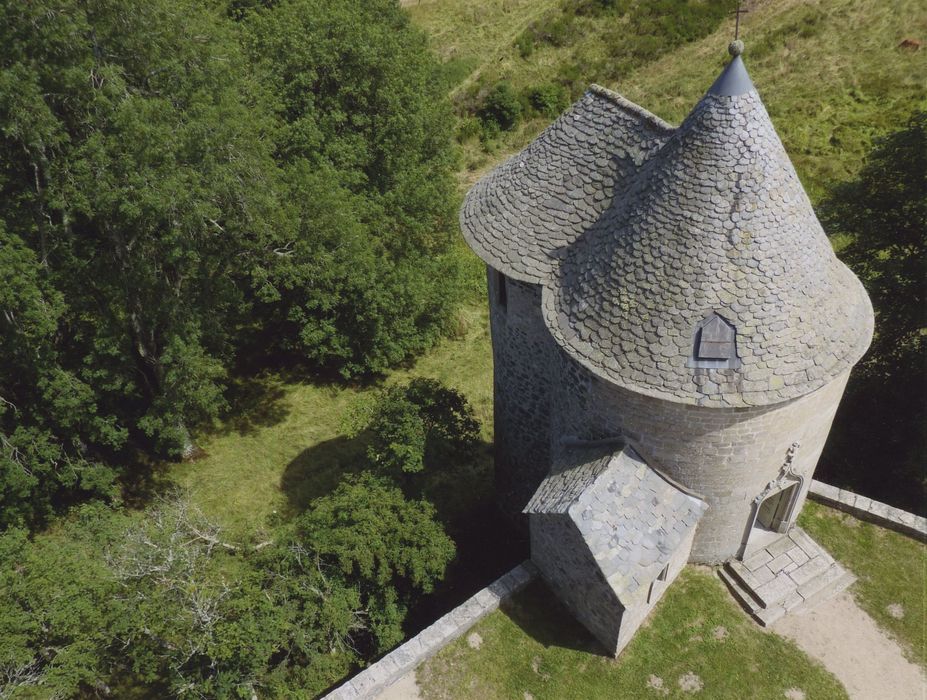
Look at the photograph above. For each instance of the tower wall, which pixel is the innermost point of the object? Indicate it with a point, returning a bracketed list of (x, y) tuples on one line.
[(727, 456), (523, 351)]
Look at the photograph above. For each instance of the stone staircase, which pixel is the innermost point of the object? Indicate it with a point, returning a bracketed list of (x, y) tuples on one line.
[(792, 573)]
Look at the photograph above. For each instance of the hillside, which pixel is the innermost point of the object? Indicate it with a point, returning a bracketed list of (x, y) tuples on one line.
[(243, 341), (829, 97)]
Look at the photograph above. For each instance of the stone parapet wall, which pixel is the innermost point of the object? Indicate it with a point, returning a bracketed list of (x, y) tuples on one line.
[(405, 658), (866, 509)]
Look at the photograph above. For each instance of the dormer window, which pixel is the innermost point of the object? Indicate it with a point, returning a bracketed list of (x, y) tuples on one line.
[(715, 340), (714, 344)]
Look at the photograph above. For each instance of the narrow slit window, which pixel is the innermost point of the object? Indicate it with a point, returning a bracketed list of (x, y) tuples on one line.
[(502, 294)]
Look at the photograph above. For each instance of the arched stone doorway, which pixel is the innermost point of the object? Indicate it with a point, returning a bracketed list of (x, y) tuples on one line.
[(773, 511)]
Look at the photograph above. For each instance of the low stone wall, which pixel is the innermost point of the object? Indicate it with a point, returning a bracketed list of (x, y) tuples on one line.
[(866, 509), (403, 659)]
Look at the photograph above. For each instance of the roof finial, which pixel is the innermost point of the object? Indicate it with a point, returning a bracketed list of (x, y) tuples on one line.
[(737, 13)]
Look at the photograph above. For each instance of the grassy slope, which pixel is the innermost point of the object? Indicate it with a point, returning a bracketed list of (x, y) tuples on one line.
[(290, 444), (830, 72), (890, 568), (475, 33), (534, 647)]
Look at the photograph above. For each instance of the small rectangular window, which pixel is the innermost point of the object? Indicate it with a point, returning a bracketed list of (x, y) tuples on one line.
[(651, 592), (502, 295)]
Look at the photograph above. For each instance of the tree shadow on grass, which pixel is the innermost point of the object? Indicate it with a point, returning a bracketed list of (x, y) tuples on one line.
[(317, 470), (488, 545), (255, 402), (541, 616), (144, 480)]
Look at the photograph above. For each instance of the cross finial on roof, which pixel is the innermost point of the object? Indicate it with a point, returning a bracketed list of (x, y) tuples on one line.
[(737, 13)]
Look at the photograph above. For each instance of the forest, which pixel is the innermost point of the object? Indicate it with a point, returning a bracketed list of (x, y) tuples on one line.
[(205, 200)]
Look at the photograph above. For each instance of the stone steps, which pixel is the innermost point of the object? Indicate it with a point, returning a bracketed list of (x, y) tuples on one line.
[(735, 578), (741, 593), (793, 573)]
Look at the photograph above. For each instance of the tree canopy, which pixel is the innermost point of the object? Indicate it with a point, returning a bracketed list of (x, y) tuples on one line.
[(882, 216), (114, 602), (186, 188)]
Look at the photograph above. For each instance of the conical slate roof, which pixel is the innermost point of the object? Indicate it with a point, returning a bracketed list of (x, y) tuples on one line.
[(716, 231), (544, 197)]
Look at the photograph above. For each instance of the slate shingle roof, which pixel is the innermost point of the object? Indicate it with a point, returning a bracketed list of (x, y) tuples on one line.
[(541, 199), (638, 233), (717, 221), (629, 516), (572, 472)]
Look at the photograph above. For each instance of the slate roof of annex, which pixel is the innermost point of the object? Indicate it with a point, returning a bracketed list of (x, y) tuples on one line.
[(630, 517), (710, 218), (544, 197), (573, 469)]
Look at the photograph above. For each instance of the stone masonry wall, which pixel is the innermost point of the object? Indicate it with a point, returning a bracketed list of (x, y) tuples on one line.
[(726, 456), (636, 610), (558, 550), (564, 560), (405, 658), (865, 508), (522, 353)]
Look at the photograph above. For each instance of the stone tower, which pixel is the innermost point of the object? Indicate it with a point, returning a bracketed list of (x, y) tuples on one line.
[(663, 297), (672, 333)]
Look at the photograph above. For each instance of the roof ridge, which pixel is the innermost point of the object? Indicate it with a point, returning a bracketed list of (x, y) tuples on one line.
[(631, 107)]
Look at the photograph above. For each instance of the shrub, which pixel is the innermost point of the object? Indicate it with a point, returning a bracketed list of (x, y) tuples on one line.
[(556, 31), (421, 425), (501, 107), (525, 44), (595, 8), (548, 99), (469, 128)]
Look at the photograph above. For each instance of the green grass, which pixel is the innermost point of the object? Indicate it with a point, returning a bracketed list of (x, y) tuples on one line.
[(289, 443), (891, 569), (534, 647), (476, 33), (830, 71)]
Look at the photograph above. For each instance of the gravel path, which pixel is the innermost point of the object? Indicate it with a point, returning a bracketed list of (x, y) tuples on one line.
[(840, 635), (404, 689)]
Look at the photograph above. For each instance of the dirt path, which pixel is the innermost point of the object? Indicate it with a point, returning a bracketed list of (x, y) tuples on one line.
[(404, 689), (839, 634)]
